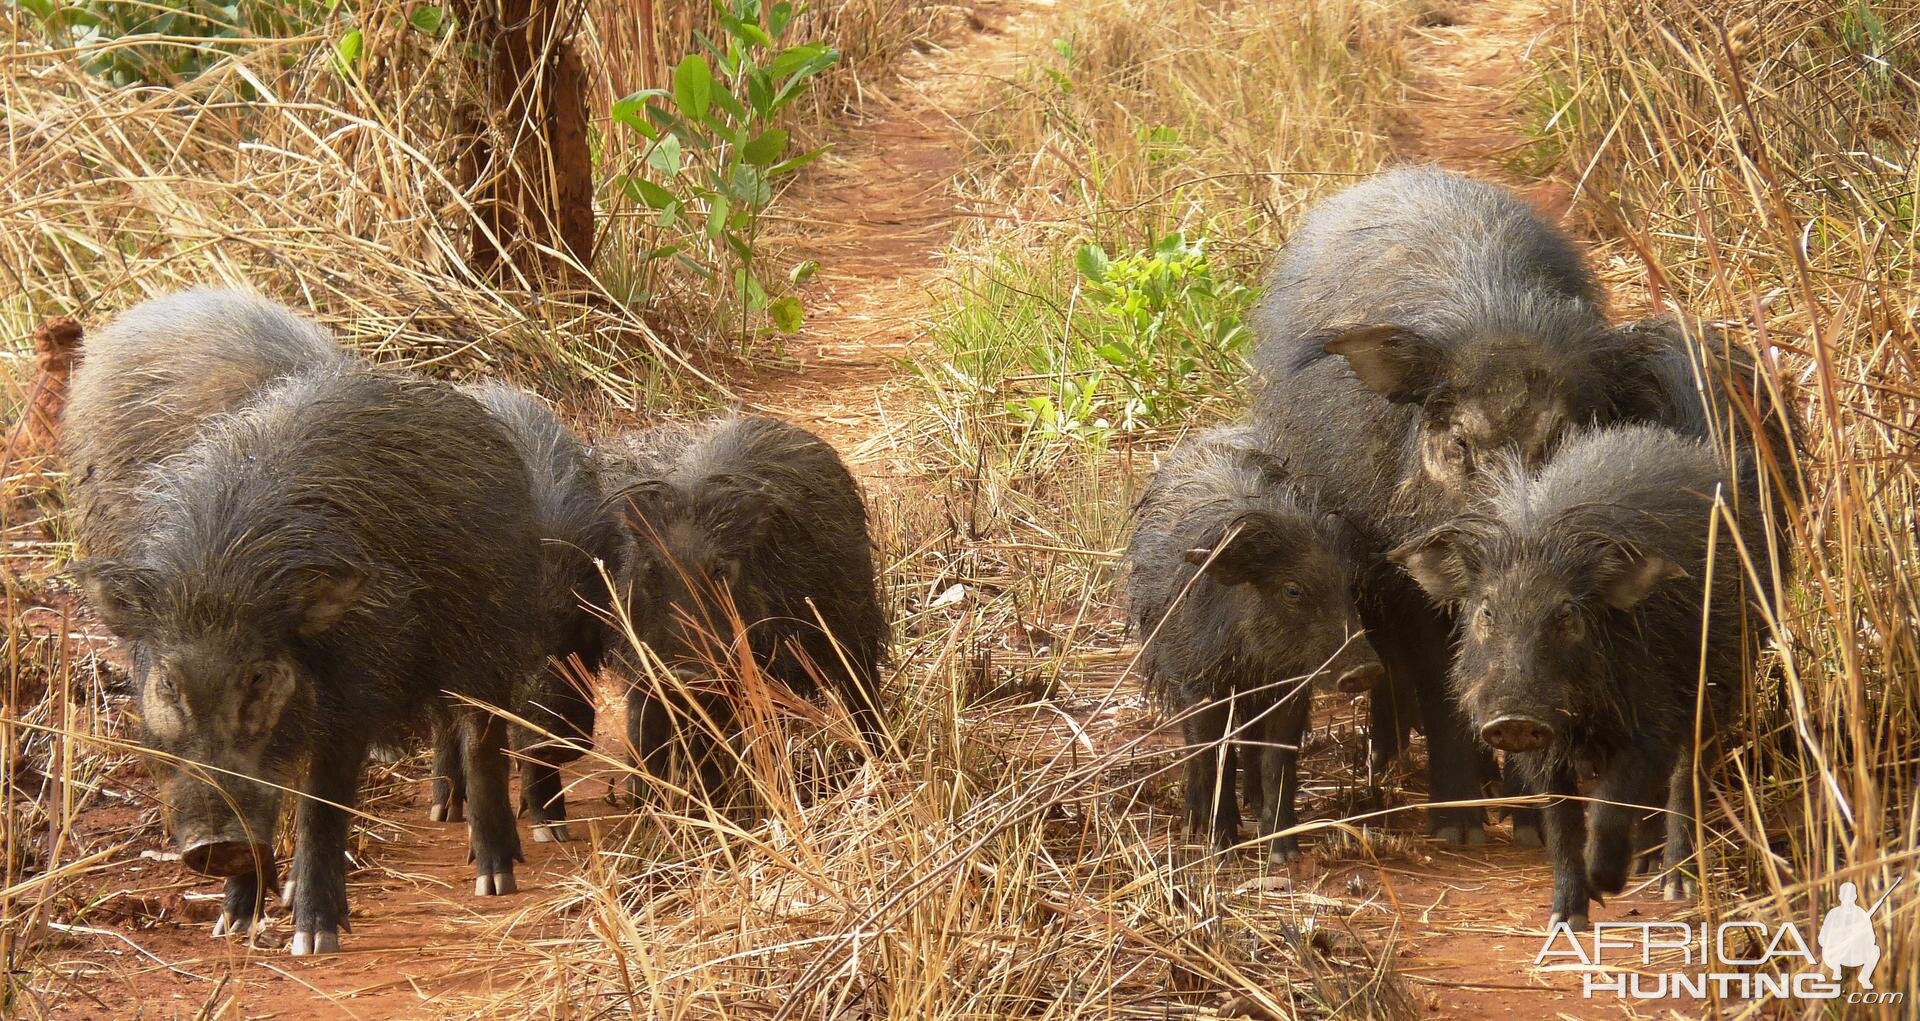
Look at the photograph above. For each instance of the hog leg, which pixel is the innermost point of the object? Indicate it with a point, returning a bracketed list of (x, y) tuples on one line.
[(1626, 793), (1210, 787), (1248, 762), (1566, 840), (1414, 644), (564, 715), (1526, 818), (650, 730), (1279, 766), (1679, 884), (493, 841), (545, 800), (320, 859), (244, 903), (449, 774)]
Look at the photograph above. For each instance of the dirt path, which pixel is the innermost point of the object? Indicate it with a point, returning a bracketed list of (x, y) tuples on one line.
[(878, 214)]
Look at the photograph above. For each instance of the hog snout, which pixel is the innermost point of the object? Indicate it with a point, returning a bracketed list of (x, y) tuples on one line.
[(225, 858), (1517, 734), (1364, 677)]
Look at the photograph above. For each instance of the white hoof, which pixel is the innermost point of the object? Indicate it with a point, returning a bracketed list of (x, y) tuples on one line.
[(326, 941), (497, 884)]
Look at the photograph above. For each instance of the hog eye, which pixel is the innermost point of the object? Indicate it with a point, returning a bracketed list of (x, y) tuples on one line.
[(1483, 616), (163, 683), (1567, 614), (1292, 590)]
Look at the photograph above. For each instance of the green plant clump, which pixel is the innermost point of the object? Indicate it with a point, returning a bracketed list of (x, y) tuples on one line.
[(714, 151)]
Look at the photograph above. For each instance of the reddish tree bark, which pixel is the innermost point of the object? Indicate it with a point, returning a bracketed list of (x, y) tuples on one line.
[(527, 166), (56, 346)]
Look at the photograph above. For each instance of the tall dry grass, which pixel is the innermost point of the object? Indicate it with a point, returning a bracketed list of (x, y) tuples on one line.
[(1761, 164)]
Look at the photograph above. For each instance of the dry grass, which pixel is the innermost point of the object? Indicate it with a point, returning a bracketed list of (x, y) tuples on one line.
[(1760, 163)]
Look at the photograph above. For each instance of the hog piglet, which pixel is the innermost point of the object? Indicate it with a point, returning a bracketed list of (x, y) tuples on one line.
[(579, 538), (754, 517), (1243, 594), (1419, 327), (317, 568), (1582, 589)]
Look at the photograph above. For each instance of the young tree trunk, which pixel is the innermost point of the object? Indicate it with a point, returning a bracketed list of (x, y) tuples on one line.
[(526, 165)]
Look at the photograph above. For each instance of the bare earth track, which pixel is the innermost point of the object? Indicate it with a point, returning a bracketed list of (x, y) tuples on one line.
[(878, 214)]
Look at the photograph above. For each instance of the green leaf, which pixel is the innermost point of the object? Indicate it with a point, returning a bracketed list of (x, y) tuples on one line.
[(631, 110), (795, 163), (665, 156), (766, 149), (347, 51), (787, 314), (750, 288), (803, 272), (693, 87), (1092, 262), (648, 193), (725, 103), (779, 16), (431, 20), (753, 34), (748, 186)]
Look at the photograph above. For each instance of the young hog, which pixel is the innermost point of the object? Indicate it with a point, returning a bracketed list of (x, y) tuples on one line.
[(1419, 327), (318, 566), (1582, 589), (1234, 633), (152, 378), (765, 512), (578, 532)]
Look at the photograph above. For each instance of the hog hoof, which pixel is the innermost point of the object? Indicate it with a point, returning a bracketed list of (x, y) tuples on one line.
[(324, 941), (1527, 836), (1577, 921), (1680, 888), (227, 925), (551, 833), (454, 812), (1461, 835), (286, 891), (495, 884)]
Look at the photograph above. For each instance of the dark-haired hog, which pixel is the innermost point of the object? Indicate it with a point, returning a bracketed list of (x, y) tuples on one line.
[(316, 568), (1421, 326), (1243, 595), (579, 536), (152, 378), (761, 513), (1582, 589)]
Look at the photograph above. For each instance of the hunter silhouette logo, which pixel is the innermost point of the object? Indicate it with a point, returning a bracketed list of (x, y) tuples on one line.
[(1730, 959), (1847, 939)]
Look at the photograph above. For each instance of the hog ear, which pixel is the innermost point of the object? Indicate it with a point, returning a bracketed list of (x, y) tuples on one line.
[(750, 514), (1394, 362), (1256, 550), (1437, 562), (640, 503), (324, 595), (1634, 576), (121, 593)]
